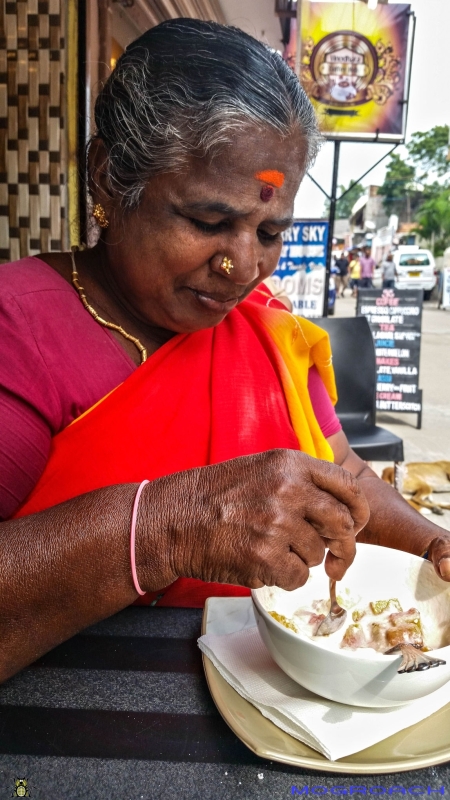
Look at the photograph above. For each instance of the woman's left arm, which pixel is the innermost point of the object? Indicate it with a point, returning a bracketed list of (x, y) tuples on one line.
[(393, 522)]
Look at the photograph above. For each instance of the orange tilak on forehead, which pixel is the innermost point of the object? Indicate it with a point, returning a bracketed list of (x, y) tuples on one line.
[(271, 178)]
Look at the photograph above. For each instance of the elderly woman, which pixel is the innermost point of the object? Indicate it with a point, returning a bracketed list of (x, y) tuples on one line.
[(152, 392)]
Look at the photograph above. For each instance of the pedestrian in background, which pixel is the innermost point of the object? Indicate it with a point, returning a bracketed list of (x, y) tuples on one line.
[(388, 272), (355, 272), (341, 264), (367, 269)]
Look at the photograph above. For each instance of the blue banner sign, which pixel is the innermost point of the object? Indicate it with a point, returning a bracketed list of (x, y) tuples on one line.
[(301, 269)]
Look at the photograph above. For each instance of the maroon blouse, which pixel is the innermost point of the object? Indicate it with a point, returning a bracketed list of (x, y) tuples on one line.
[(55, 363)]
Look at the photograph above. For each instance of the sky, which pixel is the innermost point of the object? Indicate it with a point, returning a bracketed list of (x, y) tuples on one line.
[(429, 106)]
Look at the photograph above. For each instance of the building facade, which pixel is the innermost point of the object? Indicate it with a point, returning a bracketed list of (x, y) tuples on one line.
[(54, 56)]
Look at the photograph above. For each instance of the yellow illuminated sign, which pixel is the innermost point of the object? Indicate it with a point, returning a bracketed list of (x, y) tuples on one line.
[(353, 66)]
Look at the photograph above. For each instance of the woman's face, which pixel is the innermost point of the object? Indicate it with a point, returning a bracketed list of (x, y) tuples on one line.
[(164, 258)]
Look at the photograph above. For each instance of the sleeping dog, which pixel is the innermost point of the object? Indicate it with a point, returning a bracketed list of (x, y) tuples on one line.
[(420, 480)]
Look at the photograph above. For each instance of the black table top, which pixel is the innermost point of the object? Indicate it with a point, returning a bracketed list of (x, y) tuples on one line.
[(123, 711)]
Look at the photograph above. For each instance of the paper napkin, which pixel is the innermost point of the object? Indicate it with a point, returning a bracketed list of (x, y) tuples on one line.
[(334, 729)]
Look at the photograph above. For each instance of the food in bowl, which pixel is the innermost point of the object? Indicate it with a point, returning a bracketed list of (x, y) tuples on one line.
[(362, 676), (385, 628), (382, 624)]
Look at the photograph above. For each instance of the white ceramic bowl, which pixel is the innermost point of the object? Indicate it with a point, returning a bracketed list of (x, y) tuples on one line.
[(361, 677)]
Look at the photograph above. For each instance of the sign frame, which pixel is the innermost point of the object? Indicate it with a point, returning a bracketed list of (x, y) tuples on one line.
[(359, 136), (444, 301), (395, 320)]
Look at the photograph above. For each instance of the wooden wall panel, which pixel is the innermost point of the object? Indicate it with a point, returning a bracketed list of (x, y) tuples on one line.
[(33, 147)]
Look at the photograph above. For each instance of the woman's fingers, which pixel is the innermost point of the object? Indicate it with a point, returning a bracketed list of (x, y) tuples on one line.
[(337, 509), (322, 506), (351, 508), (330, 518), (439, 554), (309, 547), (289, 572), (268, 518), (337, 566), (342, 486), (443, 568)]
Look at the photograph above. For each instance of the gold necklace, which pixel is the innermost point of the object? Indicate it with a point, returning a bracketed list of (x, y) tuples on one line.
[(97, 317)]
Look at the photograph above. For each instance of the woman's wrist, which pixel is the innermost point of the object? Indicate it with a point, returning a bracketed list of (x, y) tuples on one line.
[(393, 522), (134, 514), (163, 530)]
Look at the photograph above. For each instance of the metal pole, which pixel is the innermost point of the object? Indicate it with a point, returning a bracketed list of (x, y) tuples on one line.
[(411, 52), (333, 198), (104, 40), (354, 183), (299, 39), (73, 183)]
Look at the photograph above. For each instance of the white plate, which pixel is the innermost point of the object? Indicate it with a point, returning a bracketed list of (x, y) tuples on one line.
[(421, 745)]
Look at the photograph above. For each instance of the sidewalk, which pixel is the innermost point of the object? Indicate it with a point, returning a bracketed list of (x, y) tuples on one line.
[(432, 442)]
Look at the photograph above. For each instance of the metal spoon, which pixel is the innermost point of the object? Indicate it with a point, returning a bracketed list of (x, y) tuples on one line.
[(335, 617)]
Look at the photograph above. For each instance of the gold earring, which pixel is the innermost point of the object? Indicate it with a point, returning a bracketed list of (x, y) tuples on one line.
[(227, 265), (100, 215)]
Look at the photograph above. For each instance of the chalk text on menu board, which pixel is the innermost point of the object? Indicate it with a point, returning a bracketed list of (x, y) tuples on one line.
[(395, 319)]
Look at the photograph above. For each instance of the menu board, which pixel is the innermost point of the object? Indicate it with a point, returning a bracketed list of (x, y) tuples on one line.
[(395, 319)]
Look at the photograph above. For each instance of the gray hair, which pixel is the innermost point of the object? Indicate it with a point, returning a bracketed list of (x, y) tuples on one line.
[(185, 88)]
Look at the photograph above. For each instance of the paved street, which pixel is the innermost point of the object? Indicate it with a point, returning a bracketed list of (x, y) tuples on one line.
[(432, 442)]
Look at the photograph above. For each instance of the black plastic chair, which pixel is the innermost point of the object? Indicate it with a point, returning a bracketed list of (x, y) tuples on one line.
[(355, 369)]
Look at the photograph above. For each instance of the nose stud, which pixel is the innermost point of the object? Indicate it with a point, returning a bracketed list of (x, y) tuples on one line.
[(227, 265)]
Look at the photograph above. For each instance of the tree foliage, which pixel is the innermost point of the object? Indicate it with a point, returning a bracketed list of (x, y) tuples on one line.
[(433, 220), (398, 185), (416, 187), (429, 150)]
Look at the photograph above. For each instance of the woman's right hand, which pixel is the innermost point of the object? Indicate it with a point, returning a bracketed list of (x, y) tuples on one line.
[(254, 520)]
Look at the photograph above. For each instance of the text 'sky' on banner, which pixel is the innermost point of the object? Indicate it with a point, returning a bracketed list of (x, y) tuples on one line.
[(301, 269)]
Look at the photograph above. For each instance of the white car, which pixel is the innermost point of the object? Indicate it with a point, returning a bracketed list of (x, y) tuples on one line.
[(415, 269)]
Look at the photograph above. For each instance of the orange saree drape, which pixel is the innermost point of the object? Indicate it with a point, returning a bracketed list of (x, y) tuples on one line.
[(233, 390)]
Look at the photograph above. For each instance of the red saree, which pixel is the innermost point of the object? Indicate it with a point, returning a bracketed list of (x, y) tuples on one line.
[(233, 390)]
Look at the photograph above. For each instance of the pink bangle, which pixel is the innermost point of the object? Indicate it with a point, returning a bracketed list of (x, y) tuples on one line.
[(133, 537)]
